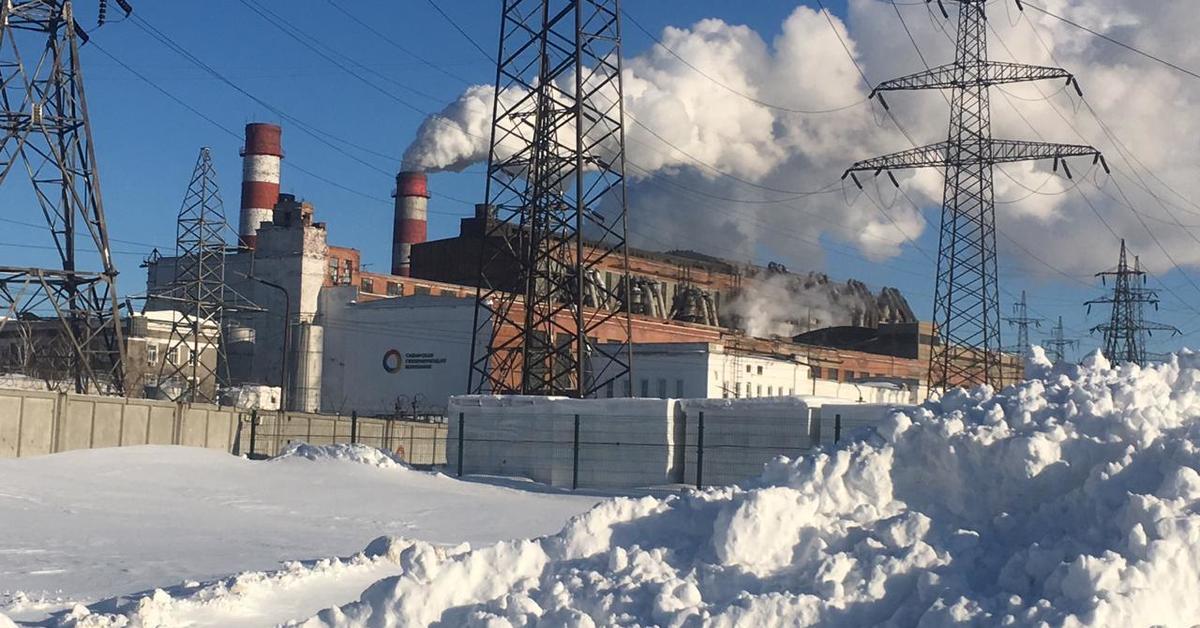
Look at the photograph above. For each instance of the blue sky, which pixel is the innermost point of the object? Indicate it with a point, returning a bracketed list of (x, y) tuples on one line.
[(147, 144)]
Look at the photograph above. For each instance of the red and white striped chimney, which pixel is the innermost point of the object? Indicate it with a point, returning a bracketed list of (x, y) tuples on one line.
[(260, 178), (410, 226)]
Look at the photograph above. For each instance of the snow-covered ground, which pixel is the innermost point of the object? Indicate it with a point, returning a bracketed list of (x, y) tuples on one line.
[(83, 526), (1070, 499)]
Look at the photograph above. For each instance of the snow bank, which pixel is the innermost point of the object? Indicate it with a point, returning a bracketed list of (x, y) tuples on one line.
[(1070, 499), (345, 452)]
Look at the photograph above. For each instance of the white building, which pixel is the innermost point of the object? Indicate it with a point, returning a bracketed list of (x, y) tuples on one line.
[(714, 371)]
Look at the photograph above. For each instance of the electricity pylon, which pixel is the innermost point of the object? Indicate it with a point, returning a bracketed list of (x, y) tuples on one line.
[(966, 345), (188, 371), (1126, 331), (45, 133), (1022, 322), (556, 170), (1057, 344)]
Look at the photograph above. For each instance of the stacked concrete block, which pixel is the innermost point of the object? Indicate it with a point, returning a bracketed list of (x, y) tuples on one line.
[(741, 435), (621, 442)]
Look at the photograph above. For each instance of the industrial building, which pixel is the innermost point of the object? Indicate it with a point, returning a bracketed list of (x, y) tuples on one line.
[(374, 342)]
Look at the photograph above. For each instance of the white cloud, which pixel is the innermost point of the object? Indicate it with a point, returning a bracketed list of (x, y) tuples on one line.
[(675, 203)]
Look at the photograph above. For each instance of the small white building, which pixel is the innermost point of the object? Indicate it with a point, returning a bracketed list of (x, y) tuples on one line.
[(714, 371)]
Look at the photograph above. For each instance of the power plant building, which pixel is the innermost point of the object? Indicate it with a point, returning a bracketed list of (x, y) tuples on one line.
[(372, 342)]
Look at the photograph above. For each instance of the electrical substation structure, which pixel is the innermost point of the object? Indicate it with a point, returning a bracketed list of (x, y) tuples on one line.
[(1127, 330), (46, 134), (966, 344), (556, 212)]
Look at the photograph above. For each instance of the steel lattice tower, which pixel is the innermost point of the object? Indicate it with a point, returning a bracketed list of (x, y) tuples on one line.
[(966, 310), (1022, 322), (46, 134), (197, 291), (1057, 344), (556, 185), (1126, 330)]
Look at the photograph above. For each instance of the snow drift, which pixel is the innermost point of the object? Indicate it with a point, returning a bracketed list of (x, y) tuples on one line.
[(1069, 499), (342, 452)]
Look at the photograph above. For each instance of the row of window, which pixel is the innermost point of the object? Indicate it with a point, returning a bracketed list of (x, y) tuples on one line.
[(756, 390), (660, 388), (175, 355), (395, 289), (831, 373)]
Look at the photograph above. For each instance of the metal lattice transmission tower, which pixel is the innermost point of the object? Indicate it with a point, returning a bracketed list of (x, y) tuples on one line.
[(189, 371), (47, 137), (1127, 330), (1058, 343), (966, 347), (1021, 320), (554, 264)]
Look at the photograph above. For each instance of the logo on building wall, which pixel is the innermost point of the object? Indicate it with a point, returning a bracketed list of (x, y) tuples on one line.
[(392, 361)]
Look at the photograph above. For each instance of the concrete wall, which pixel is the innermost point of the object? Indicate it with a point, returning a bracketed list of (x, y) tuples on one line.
[(741, 435), (34, 423)]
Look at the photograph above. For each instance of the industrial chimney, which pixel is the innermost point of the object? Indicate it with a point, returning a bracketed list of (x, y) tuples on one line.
[(260, 178), (410, 226)]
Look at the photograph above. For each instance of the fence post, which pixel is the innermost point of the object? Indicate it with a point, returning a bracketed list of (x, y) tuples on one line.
[(700, 450), (354, 426), (837, 428), (575, 458), (460, 444), (253, 431)]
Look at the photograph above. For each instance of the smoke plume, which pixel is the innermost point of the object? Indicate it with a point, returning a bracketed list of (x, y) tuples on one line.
[(714, 168)]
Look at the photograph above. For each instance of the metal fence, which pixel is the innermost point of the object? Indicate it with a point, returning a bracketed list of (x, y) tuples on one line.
[(419, 443)]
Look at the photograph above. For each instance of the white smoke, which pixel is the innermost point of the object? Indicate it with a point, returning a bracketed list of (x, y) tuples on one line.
[(677, 117), (786, 305)]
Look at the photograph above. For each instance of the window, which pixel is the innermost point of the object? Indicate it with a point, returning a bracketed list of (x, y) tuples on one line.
[(747, 368), (679, 389), (395, 289), (627, 386), (645, 387), (770, 391), (348, 271), (725, 393), (816, 372), (151, 354), (333, 271), (737, 390), (662, 388), (421, 290), (760, 369), (849, 375), (758, 392), (368, 285), (833, 374), (447, 293), (609, 388), (791, 392)]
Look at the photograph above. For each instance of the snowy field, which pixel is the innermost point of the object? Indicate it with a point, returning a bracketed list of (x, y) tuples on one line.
[(85, 526), (1070, 499)]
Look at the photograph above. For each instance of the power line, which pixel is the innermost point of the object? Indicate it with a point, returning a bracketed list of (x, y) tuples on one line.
[(1169, 64)]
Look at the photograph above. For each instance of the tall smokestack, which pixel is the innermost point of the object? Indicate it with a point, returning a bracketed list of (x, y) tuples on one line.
[(410, 226), (260, 178)]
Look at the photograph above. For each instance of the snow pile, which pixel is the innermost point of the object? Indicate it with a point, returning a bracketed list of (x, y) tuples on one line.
[(1070, 499), (347, 452), (249, 598)]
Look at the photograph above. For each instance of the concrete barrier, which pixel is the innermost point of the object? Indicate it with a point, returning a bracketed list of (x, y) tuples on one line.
[(34, 423)]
